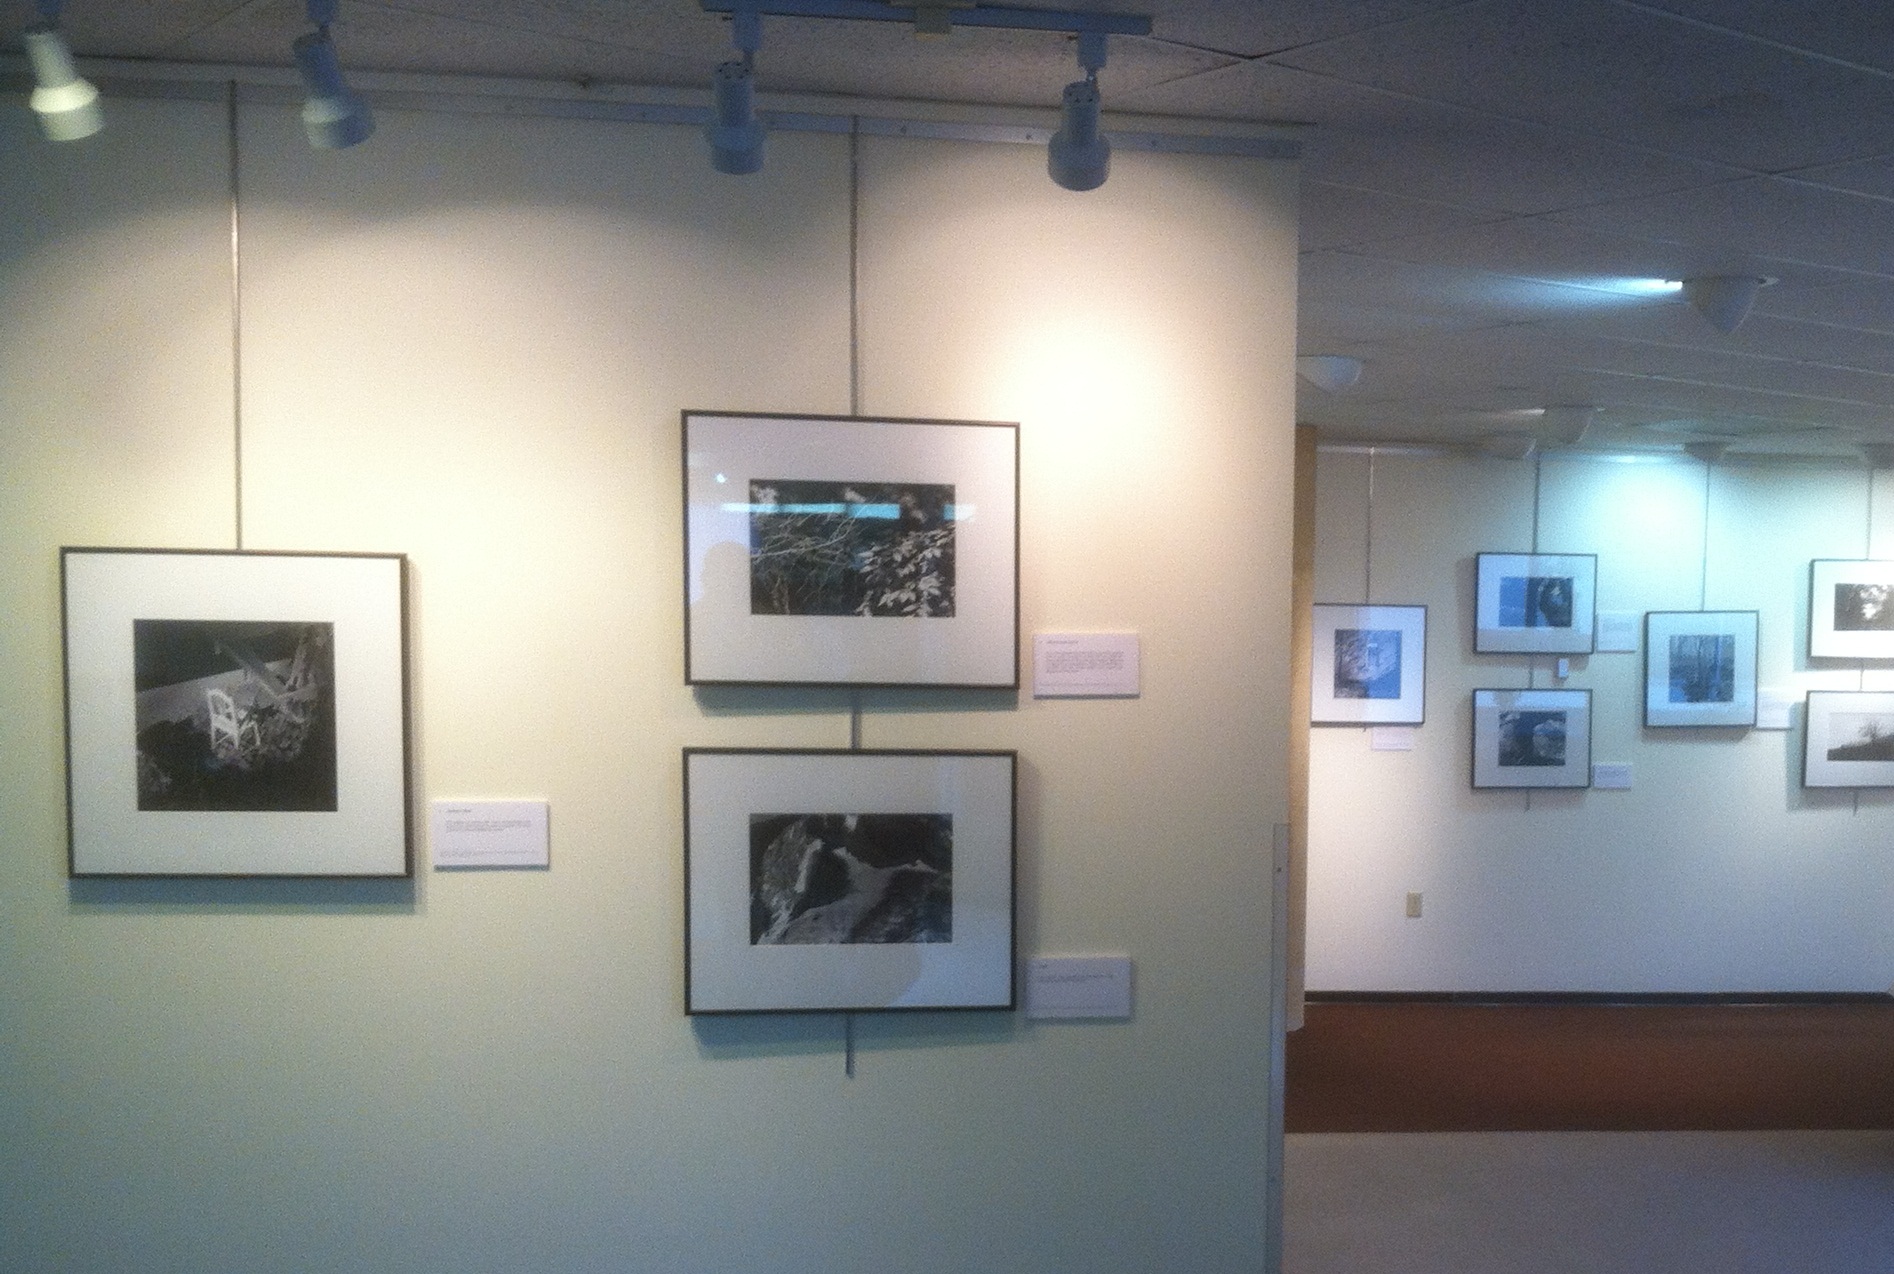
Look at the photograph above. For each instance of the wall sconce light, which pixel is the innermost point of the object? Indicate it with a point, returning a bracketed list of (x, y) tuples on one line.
[(735, 135), (1724, 299), (1509, 446), (67, 106), (1879, 455), (1079, 156), (333, 117), (1708, 450), (1330, 373)]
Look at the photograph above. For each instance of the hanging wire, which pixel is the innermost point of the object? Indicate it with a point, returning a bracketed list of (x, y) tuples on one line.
[(236, 315)]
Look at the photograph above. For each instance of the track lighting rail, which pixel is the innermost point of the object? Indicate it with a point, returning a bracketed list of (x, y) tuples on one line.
[(1001, 17)]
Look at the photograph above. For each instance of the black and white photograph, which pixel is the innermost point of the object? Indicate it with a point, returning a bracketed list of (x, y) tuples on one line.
[(1848, 739), (1531, 738), (236, 713), (1851, 609), (1534, 603), (850, 551), (1368, 665), (1700, 668), (869, 549), (851, 878), (858, 880)]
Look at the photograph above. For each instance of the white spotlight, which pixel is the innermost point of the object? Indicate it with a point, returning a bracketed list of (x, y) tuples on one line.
[(1079, 156), (1723, 299), (1329, 372), (735, 134), (333, 117), (67, 106)]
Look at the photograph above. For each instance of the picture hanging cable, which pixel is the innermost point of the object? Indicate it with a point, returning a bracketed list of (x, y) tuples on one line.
[(854, 396), (1703, 575), (236, 314), (1367, 537)]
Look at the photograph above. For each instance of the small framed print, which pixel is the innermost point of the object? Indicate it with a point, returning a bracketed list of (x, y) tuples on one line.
[(236, 714), (847, 881), (1369, 665), (1851, 609), (1848, 739), (1532, 738), (1700, 668), (829, 550), (1534, 603)]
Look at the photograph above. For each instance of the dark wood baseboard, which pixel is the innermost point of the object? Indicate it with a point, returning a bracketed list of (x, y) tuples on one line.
[(1671, 1063)]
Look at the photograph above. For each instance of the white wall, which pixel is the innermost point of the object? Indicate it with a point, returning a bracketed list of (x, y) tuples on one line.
[(469, 341), (1717, 871)]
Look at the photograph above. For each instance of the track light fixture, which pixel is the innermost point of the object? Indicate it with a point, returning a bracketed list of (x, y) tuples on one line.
[(735, 134), (67, 106), (1079, 156), (333, 116)]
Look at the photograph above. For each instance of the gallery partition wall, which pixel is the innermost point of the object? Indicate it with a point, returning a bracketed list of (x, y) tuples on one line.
[(470, 342)]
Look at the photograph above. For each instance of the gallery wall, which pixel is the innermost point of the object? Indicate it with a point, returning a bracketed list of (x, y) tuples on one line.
[(1716, 871), (469, 341)]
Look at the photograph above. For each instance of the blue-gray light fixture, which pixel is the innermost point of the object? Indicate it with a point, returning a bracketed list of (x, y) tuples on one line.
[(67, 106), (1079, 156), (333, 117), (734, 133)]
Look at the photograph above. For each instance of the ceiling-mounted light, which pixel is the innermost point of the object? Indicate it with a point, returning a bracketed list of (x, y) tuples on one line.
[(1568, 425), (1723, 299), (735, 135), (1708, 450), (1509, 446), (333, 116), (1329, 372), (1079, 156), (67, 106)]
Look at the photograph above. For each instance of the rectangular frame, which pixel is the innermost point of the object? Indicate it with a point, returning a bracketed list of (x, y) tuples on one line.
[(1866, 717), (895, 562), (1553, 612), (1851, 608), (760, 915), (1505, 755), (1344, 689), (236, 713), (1730, 676)]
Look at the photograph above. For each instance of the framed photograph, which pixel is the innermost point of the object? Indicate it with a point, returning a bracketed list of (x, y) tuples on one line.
[(830, 881), (1851, 609), (1700, 668), (236, 714), (1534, 603), (1369, 665), (1532, 738), (845, 551), (1848, 739)]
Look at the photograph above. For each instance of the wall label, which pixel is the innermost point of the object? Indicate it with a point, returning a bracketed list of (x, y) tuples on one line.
[(489, 834)]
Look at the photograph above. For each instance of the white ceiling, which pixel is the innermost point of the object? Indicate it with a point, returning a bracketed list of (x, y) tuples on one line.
[(1479, 176)]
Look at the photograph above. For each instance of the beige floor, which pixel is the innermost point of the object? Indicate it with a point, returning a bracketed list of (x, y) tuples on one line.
[(1590, 1203)]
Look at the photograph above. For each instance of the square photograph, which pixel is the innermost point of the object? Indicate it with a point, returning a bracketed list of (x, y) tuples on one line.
[(1368, 665), (1700, 668), (1531, 738), (1534, 603), (236, 714)]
